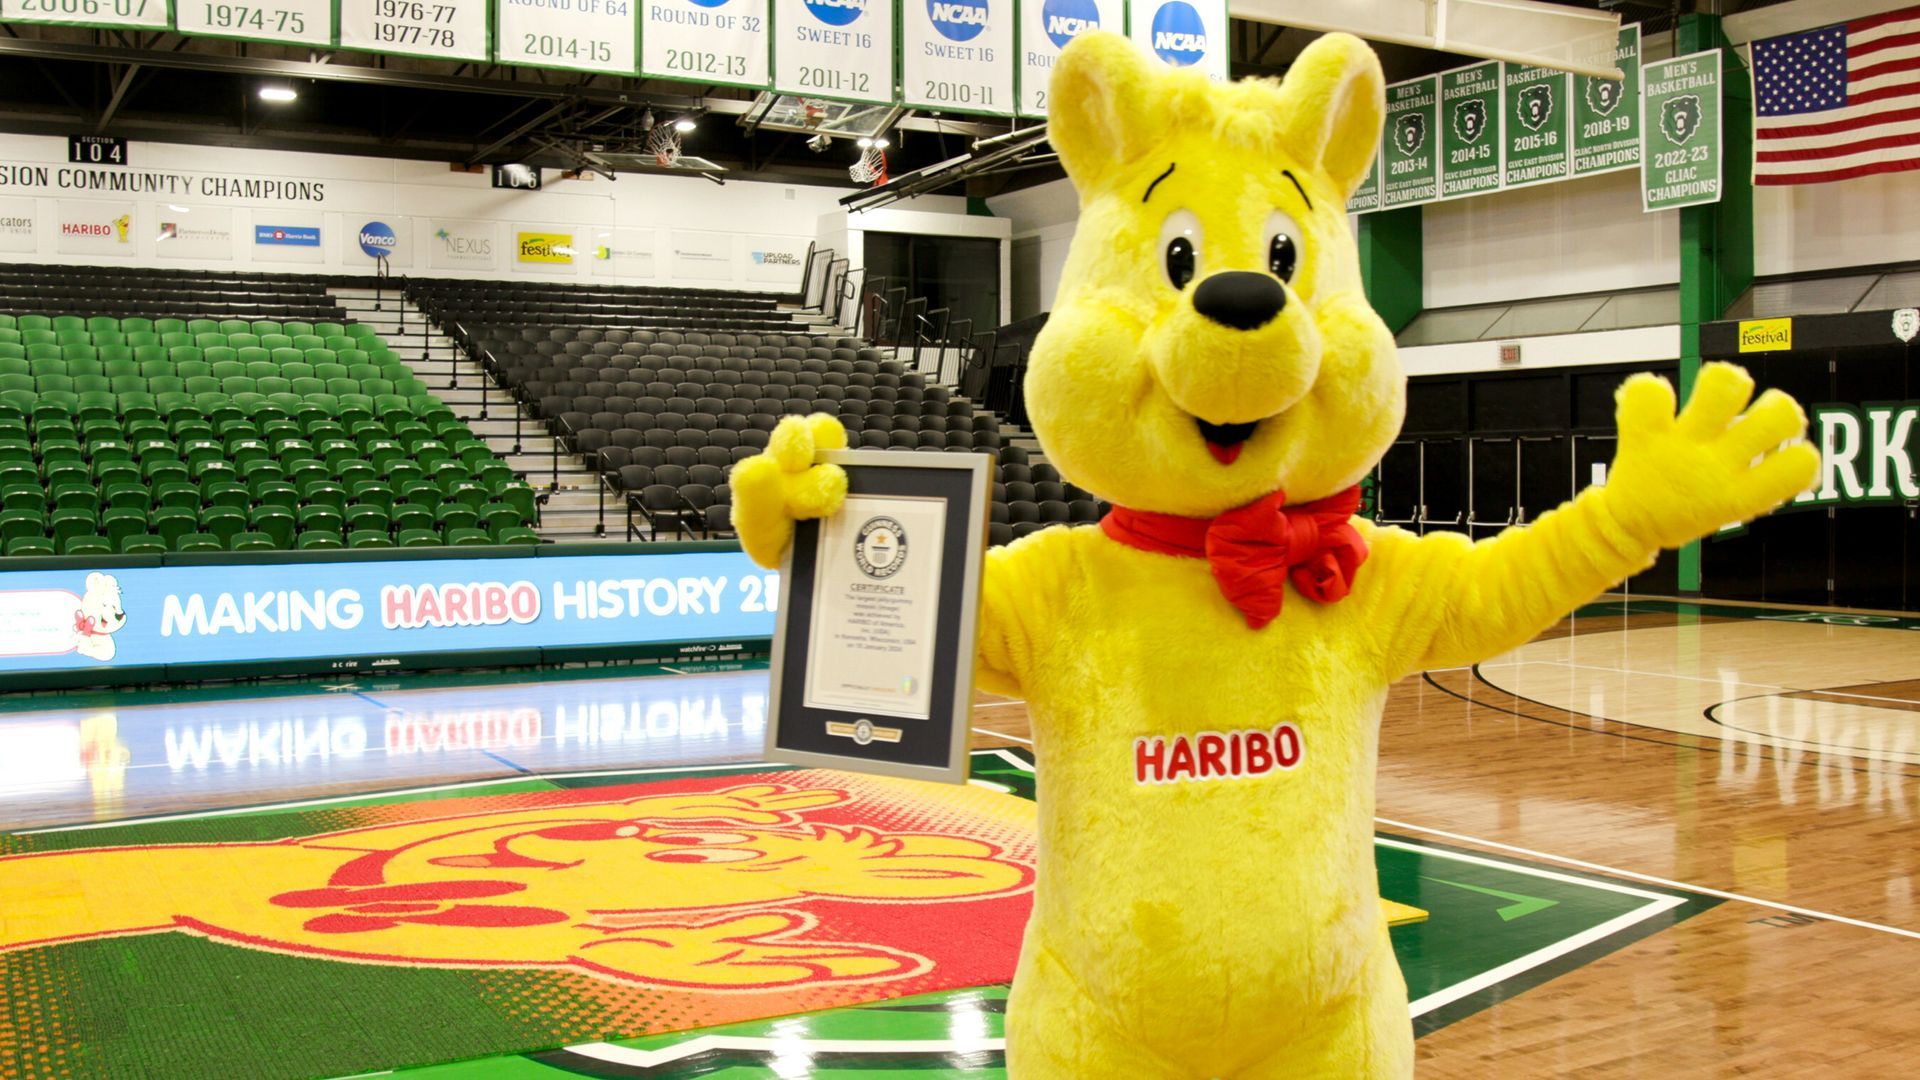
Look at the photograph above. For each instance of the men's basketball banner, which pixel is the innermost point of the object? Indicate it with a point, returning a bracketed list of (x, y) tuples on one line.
[(436, 29), (1538, 138), (140, 14), (1470, 129), (1412, 173), (837, 49), (957, 55), (1606, 132), (581, 35), (1045, 27), (1680, 156), (1366, 197), (1183, 33), (723, 42)]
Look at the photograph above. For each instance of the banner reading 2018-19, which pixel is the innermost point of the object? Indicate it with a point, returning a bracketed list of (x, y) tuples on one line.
[(957, 55), (838, 49), (1045, 28), (717, 41), (1183, 33)]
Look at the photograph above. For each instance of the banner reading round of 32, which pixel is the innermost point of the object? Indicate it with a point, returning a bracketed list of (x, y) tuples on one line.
[(1680, 159), (1537, 137), (1470, 130), (1044, 28), (842, 50), (1412, 173), (720, 42)]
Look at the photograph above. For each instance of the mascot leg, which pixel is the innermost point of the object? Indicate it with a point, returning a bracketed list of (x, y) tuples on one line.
[(1369, 1036), (1056, 1032)]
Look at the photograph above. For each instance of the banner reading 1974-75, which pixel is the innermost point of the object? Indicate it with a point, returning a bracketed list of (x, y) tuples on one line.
[(1045, 28), (140, 14), (1183, 33), (438, 29), (1680, 122), (583, 35), (1538, 133), (957, 55), (838, 49), (1470, 129), (290, 22), (1410, 148), (713, 41), (1606, 113)]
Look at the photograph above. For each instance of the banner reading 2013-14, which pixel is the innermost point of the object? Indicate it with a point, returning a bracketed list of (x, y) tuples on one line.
[(957, 55), (839, 49), (1183, 33), (1045, 28), (709, 41)]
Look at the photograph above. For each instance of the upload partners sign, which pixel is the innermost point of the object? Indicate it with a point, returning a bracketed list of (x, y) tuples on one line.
[(1680, 160)]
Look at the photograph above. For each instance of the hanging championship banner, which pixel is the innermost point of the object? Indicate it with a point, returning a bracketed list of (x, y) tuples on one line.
[(1183, 33), (1680, 150), (839, 49), (141, 14), (1412, 174), (582, 35), (722, 42), (437, 29), (1366, 197), (1606, 111), (1470, 130), (275, 22), (1045, 28), (956, 55), (1537, 135)]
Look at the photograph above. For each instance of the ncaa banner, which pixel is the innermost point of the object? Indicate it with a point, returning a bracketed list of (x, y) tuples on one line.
[(140, 14), (274, 22), (1045, 27), (435, 29), (721, 42), (838, 49), (957, 55), (1183, 33), (582, 35)]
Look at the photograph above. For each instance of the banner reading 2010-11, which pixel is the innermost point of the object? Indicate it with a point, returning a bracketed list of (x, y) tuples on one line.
[(1045, 28), (710, 41), (1183, 33), (957, 55), (839, 49)]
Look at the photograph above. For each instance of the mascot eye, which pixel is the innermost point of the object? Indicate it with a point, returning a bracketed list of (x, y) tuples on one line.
[(1180, 243), (1283, 245)]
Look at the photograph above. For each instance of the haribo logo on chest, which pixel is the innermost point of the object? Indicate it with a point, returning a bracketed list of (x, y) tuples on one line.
[(1213, 755)]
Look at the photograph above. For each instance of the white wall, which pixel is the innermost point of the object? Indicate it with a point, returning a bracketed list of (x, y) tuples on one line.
[(925, 216), (1580, 236), (1875, 219), (661, 229), (1043, 218)]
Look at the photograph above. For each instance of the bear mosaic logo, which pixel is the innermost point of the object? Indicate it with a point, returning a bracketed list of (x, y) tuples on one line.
[(378, 239), (1906, 323), (1410, 132), (1179, 34), (880, 549), (958, 20), (1604, 95), (836, 12), (1064, 20), (1535, 106), (1470, 119), (1680, 118)]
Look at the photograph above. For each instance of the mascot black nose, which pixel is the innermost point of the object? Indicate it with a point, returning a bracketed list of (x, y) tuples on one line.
[(1240, 299)]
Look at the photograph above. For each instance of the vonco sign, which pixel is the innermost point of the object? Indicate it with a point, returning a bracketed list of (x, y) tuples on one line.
[(138, 616), (172, 184)]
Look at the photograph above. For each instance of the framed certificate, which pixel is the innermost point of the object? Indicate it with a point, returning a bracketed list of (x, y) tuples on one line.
[(873, 647)]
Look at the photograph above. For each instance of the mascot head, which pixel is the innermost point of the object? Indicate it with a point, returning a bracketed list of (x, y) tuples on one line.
[(98, 617), (1210, 342)]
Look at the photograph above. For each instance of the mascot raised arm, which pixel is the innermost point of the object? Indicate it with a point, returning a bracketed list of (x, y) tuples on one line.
[(1205, 668)]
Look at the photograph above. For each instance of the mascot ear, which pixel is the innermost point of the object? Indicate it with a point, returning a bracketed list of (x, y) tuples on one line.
[(1102, 112), (1333, 104)]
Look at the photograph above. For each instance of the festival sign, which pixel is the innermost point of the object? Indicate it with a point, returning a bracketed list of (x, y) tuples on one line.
[(957, 55), (1045, 27), (1606, 132), (837, 49), (1470, 130), (1680, 156), (1183, 33), (580, 35), (718, 42), (437, 29), (1411, 174), (1538, 128)]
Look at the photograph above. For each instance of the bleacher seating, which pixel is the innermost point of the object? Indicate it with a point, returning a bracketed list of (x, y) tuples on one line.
[(131, 433)]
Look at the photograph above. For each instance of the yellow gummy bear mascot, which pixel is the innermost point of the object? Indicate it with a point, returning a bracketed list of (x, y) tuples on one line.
[(1205, 669)]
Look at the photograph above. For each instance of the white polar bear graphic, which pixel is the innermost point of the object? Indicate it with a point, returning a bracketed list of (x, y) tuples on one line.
[(98, 617)]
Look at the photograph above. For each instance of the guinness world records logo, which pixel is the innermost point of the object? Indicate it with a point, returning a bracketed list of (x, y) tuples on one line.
[(880, 548)]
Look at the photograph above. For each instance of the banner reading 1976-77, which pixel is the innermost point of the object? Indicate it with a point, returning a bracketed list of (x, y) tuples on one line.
[(723, 42), (838, 49), (436, 29), (1045, 28), (1680, 123), (1470, 129), (1409, 147), (957, 55)]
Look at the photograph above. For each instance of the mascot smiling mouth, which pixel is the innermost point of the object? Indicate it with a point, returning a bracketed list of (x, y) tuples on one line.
[(1224, 441)]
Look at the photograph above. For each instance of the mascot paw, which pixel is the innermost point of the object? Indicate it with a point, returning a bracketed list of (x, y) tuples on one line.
[(1678, 478), (773, 489)]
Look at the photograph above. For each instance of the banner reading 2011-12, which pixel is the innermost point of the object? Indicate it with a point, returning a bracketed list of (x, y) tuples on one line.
[(1183, 33), (1045, 28), (708, 41), (957, 55), (584, 35), (839, 49)]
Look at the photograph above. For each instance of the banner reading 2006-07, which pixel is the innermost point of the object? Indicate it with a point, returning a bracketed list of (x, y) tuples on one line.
[(839, 49), (1183, 33), (142, 14), (1045, 28), (957, 55), (711, 41)]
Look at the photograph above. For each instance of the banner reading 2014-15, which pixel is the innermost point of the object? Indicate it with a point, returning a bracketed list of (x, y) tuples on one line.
[(1183, 33), (583, 35), (709, 41), (1045, 28), (839, 49), (957, 55)]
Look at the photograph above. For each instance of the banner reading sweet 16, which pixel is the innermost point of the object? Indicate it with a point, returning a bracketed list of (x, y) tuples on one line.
[(1045, 28), (709, 41), (957, 55), (1183, 33), (838, 49)]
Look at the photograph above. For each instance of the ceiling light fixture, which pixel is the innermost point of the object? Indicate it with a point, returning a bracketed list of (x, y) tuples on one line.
[(684, 125), (279, 95)]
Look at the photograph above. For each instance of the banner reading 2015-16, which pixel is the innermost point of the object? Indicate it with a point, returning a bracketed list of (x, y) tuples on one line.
[(1183, 33), (710, 41), (1045, 28), (957, 55), (839, 49)]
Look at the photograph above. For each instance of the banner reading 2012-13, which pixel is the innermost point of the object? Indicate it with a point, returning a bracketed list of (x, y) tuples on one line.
[(957, 55), (1045, 28), (1183, 33), (839, 49), (707, 41), (583, 35)]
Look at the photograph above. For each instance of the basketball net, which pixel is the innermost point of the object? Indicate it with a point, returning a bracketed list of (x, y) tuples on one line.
[(871, 168), (663, 142)]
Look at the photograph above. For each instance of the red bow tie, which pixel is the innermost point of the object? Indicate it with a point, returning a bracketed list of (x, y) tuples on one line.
[(1257, 548)]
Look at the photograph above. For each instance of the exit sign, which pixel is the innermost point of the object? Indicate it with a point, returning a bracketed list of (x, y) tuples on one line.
[(96, 150)]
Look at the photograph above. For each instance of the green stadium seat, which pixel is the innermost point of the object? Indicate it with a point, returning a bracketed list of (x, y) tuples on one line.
[(72, 522), (119, 524), (362, 518), (29, 545), (323, 493), (34, 322), (202, 326), (251, 541), (266, 326), (452, 516), (418, 538), (69, 322), (136, 325), (276, 522), (242, 343), (411, 517), (309, 541), (518, 534), (320, 518), (218, 353), (273, 342), (86, 545), (136, 497), (367, 538), (15, 524), (467, 537), (199, 542), (496, 517), (168, 326), (143, 545), (24, 497), (173, 522)]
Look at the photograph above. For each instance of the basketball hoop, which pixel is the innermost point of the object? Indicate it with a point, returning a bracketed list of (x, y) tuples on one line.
[(872, 166), (663, 142)]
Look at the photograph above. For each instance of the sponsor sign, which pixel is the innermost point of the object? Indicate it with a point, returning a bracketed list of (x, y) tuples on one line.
[(1408, 149), (1766, 335), (287, 235), (543, 250), (778, 259), (1538, 135), (378, 240), (703, 255), (194, 232), (462, 245), (708, 41), (1606, 113), (624, 252), (1045, 27), (360, 612), (840, 49), (88, 227), (956, 55), (1680, 153), (1866, 454), (145, 14), (1470, 130), (583, 35), (278, 22), (17, 232), (1183, 33), (441, 29)]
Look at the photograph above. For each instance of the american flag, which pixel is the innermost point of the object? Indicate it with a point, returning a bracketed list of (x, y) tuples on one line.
[(1838, 102)]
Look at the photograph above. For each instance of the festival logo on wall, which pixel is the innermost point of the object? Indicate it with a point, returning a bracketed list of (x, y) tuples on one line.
[(462, 245), (16, 225), (546, 252), (87, 227)]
